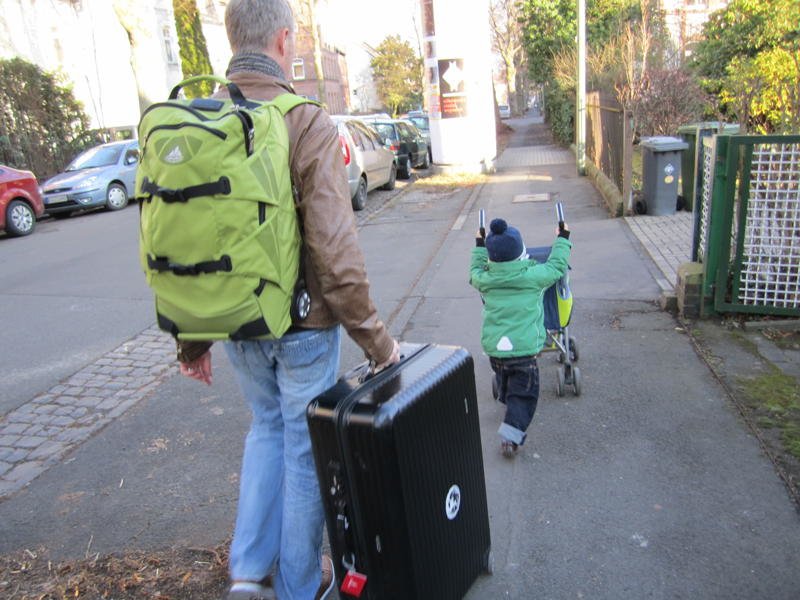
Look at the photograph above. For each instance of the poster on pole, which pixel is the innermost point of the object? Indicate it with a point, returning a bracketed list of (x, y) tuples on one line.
[(452, 88), (428, 27)]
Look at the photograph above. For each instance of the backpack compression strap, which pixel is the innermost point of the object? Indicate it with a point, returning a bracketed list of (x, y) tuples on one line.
[(151, 188)]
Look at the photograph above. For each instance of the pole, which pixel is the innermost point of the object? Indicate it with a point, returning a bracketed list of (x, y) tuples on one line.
[(580, 117)]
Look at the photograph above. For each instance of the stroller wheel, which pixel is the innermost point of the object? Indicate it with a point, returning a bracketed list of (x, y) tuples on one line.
[(576, 381), (560, 382), (573, 350)]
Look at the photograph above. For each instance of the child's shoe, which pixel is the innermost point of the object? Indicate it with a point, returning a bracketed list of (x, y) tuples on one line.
[(508, 448)]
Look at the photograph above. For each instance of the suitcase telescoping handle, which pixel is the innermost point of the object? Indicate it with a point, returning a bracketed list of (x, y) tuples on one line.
[(482, 223), (236, 94), (560, 216), (366, 370)]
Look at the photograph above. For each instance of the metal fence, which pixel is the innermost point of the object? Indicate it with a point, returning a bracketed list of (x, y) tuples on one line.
[(604, 133), (748, 224)]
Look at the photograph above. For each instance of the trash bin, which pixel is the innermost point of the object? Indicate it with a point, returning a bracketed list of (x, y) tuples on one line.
[(692, 159), (661, 170)]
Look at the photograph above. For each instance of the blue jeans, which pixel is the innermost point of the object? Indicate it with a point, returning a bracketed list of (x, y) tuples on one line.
[(518, 389), (280, 518)]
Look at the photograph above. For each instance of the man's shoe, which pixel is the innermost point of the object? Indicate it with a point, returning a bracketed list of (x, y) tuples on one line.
[(250, 591), (328, 580), (508, 448)]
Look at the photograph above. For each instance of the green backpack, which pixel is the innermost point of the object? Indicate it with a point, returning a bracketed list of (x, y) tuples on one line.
[(219, 238)]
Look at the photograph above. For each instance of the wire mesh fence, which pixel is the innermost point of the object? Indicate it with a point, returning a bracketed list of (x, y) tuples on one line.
[(770, 266)]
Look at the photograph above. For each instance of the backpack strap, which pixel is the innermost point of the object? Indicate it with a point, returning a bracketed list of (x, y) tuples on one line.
[(286, 102)]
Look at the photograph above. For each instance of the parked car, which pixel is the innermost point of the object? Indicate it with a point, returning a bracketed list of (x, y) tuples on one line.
[(505, 111), (421, 122), (101, 176), (369, 163), (407, 143), (20, 201)]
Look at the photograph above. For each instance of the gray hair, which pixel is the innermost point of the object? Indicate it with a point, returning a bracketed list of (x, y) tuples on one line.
[(252, 24)]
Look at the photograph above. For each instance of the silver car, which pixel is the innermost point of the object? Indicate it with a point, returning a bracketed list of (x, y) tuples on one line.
[(101, 176), (369, 163)]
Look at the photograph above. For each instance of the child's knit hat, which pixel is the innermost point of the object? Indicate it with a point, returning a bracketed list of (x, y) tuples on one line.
[(504, 243)]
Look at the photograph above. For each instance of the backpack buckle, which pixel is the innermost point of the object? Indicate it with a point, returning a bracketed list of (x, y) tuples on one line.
[(179, 269), (169, 195)]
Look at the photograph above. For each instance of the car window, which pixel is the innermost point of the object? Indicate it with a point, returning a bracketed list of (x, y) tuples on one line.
[(100, 156), (360, 139), (420, 122), (386, 130), (405, 132), (369, 143), (359, 143), (132, 156), (376, 139)]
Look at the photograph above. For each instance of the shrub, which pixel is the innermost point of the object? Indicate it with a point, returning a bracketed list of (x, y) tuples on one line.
[(42, 125)]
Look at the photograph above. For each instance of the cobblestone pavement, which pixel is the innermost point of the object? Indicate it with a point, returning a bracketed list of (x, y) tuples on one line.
[(41, 432), (668, 241)]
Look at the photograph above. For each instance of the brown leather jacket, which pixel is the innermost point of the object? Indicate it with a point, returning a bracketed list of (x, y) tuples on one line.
[(334, 264)]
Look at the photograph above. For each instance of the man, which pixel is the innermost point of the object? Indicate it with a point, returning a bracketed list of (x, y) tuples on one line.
[(280, 519)]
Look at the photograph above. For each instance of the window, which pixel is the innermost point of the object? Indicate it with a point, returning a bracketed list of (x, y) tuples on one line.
[(405, 132), (298, 69), (366, 138), (373, 135), (132, 156), (169, 47)]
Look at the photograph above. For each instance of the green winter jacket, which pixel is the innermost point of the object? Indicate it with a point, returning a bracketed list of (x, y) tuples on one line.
[(513, 314)]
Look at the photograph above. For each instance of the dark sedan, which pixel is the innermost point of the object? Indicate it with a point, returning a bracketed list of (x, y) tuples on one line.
[(407, 143)]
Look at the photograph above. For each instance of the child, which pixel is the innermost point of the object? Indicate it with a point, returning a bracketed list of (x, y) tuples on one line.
[(513, 331)]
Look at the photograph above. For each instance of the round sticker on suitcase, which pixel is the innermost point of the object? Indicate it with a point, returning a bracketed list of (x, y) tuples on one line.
[(452, 502)]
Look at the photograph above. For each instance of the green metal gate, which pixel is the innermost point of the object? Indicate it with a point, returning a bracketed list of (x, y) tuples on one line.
[(747, 224)]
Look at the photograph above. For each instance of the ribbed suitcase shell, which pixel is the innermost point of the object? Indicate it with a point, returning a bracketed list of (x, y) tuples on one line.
[(389, 455)]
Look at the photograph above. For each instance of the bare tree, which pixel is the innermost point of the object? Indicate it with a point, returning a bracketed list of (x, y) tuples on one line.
[(145, 51), (308, 17), (504, 19)]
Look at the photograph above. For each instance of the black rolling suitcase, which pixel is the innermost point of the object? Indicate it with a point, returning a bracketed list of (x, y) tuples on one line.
[(400, 467)]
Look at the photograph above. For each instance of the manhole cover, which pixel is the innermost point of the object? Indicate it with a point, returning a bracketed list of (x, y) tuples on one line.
[(531, 198)]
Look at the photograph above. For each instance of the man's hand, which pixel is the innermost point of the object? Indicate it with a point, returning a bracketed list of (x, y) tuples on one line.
[(394, 358), (199, 369)]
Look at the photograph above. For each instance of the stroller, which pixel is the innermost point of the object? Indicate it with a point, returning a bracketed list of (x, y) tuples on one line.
[(557, 300)]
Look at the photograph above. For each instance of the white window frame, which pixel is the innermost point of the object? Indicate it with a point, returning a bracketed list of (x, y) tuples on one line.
[(300, 74)]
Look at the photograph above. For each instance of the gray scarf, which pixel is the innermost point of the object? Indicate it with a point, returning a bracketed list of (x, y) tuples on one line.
[(254, 62)]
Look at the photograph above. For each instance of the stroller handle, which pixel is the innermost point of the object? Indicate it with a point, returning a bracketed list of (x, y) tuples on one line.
[(560, 215)]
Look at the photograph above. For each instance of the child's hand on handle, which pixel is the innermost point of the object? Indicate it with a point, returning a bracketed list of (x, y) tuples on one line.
[(563, 230), (480, 239)]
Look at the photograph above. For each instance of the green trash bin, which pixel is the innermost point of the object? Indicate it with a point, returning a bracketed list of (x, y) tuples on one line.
[(692, 158), (661, 170)]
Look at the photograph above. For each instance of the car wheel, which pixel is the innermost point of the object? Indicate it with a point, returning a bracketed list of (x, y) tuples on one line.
[(116, 197), (20, 219), (404, 170), (426, 163), (360, 197), (389, 185)]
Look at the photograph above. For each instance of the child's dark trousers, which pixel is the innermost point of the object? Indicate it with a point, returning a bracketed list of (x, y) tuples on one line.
[(518, 389)]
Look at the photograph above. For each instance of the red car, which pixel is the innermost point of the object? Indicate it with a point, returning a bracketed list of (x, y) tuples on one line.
[(20, 201)]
